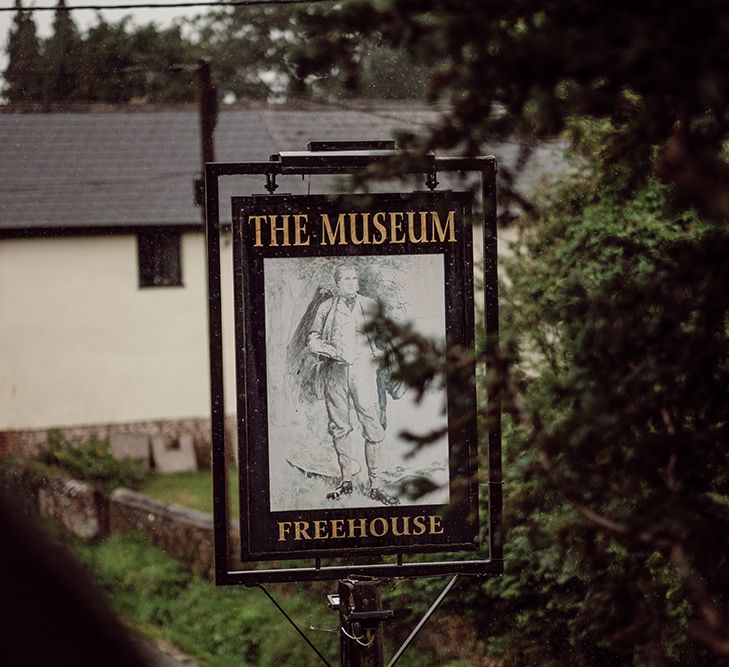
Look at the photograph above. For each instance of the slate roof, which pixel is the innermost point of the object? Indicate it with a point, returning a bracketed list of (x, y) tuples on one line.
[(127, 168)]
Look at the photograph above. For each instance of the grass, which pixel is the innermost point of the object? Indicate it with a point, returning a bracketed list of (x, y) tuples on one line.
[(220, 627), (191, 489), (235, 626)]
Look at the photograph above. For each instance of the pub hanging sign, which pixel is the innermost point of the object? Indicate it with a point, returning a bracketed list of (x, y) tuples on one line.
[(327, 466)]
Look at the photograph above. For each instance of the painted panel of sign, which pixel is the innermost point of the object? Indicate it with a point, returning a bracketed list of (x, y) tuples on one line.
[(325, 469)]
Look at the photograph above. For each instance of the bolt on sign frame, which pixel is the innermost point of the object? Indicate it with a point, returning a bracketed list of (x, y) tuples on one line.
[(392, 560)]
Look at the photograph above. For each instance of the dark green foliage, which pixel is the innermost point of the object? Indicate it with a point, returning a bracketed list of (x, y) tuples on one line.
[(107, 61), (614, 361), (375, 70), (617, 470), (390, 73), (142, 64), (163, 65), (113, 62), (61, 59), (614, 365), (248, 49), (656, 71), (93, 462), (630, 419), (22, 76), (253, 51)]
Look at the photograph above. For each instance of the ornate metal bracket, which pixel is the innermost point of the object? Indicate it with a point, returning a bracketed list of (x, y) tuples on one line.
[(431, 180), (271, 184)]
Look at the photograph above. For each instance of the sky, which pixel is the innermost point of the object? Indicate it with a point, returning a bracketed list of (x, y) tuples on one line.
[(86, 18)]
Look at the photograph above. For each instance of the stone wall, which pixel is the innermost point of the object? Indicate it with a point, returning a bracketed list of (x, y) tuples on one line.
[(31, 442), (183, 533), (80, 507), (48, 493)]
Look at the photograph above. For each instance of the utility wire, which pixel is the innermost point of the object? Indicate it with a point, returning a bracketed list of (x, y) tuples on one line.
[(160, 5)]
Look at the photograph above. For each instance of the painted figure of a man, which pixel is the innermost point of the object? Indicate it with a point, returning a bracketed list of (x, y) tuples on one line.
[(349, 379)]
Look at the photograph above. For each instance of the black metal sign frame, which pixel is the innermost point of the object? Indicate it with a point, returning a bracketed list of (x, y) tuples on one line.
[(397, 567)]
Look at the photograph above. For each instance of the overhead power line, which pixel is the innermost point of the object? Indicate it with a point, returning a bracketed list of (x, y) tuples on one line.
[(167, 5)]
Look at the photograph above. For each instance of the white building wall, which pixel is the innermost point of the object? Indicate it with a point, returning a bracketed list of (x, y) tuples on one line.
[(81, 343)]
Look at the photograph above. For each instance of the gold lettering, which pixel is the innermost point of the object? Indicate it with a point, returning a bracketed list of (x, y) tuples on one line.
[(365, 238), (258, 220), (320, 529), (326, 230), (436, 527), (300, 235), (419, 525), (423, 238), (283, 530), (301, 530), (337, 526), (383, 523), (405, 526), (377, 220), (450, 226), (396, 226), (362, 526), (275, 229)]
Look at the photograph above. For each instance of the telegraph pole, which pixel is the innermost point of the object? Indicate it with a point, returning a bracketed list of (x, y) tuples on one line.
[(207, 100), (207, 104), (360, 623)]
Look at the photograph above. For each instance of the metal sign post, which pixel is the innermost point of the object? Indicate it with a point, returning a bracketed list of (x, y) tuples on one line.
[(343, 256), (360, 623)]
